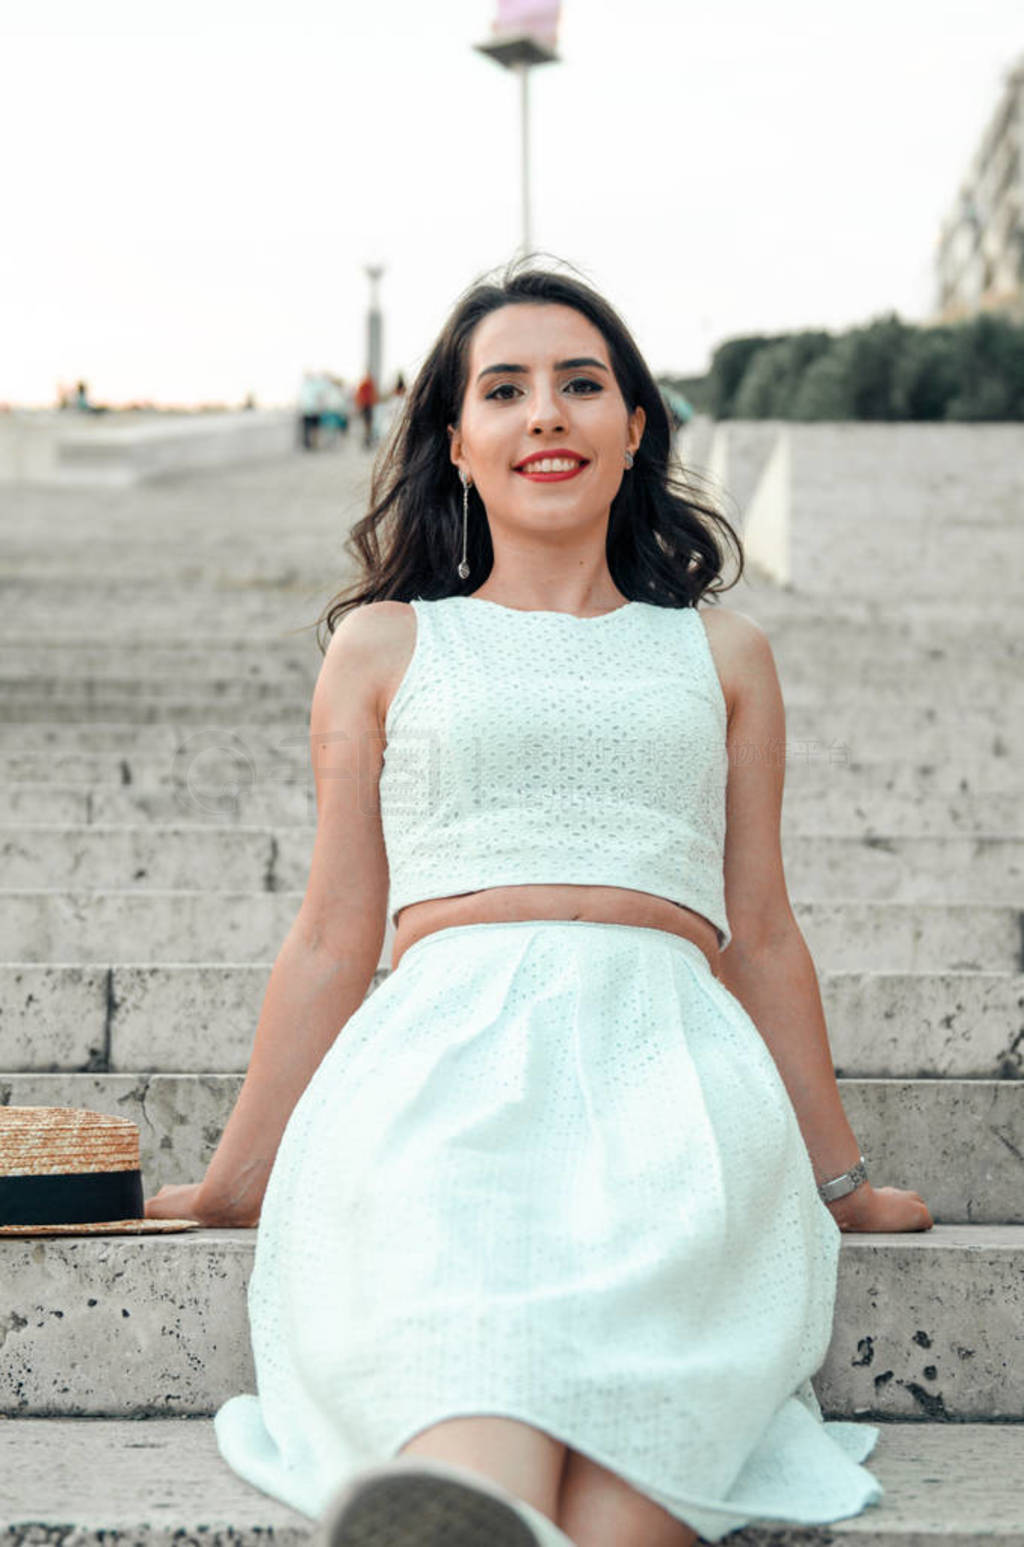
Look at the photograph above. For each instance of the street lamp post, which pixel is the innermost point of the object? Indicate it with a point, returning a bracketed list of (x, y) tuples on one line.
[(374, 326), (520, 53), (523, 73)]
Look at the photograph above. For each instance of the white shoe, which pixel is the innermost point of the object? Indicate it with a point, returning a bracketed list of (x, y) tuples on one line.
[(416, 1501)]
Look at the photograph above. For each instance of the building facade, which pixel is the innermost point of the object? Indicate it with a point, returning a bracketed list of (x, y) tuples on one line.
[(980, 251)]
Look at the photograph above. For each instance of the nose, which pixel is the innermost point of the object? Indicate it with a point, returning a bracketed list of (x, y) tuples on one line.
[(547, 414)]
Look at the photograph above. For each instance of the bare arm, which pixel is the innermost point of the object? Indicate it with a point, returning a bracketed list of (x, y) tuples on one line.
[(326, 964), (778, 988), (309, 997), (767, 965)]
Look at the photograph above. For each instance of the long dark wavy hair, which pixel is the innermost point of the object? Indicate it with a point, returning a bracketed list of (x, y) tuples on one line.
[(665, 542)]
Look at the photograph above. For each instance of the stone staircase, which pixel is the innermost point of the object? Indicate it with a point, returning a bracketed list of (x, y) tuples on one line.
[(156, 820)]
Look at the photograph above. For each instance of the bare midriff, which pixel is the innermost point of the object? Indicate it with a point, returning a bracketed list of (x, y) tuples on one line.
[(598, 904)]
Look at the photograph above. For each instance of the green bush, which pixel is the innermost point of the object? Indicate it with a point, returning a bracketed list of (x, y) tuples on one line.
[(772, 379), (989, 370), (728, 367), (885, 370)]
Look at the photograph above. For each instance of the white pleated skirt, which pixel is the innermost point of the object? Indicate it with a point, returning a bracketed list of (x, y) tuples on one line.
[(549, 1171)]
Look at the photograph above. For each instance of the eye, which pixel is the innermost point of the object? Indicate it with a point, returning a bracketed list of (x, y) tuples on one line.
[(506, 386), (586, 382)]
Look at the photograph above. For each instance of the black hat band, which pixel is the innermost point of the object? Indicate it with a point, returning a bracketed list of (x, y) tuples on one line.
[(71, 1198)]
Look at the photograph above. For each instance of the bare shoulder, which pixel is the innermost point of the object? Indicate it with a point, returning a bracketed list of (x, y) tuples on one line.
[(740, 648), (373, 644)]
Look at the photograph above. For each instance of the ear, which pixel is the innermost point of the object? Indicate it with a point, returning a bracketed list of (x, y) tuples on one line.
[(637, 421), (455, 449)]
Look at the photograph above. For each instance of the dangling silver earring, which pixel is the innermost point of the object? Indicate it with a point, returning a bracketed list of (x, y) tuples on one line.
[(629, 459), (463, 570)]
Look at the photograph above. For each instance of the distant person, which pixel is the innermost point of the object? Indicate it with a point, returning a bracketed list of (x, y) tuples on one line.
[(366, 402), (80, 402), (81, 399), (335, 415), (311, 396)]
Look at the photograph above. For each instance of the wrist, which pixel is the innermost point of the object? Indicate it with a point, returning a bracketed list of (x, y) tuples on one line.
[(856, 1210), (836, 1187), (235, 1205)]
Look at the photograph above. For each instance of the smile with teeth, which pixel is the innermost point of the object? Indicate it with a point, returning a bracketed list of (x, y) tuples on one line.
[(551, 467)]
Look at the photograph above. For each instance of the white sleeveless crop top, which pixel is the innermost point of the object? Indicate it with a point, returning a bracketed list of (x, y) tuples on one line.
[(538, 747)]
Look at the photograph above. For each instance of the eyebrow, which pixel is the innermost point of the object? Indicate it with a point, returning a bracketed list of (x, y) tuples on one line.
[(560, 365)]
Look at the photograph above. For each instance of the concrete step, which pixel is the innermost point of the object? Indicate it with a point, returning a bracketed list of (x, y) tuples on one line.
[(839, 555), (986, 868), (839, 810), (109, 1482), (279, 604), (835, 813), (919, 733), (957, 1142), (271, 659), (158, 925), (835, 735), (213, 761), (965, 689), (53, 554), (75, 708), (980, 692), (928, 1324), (171, 1018), (156, 567), (989, 560), (928, 620), (883, 655), (155, 550), (190, 857), (213, 764), (943, 561), (845, 642), (843, 632), (197, 693)]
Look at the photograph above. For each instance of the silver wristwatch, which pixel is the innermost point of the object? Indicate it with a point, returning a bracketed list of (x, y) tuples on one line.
[(841, 1185)]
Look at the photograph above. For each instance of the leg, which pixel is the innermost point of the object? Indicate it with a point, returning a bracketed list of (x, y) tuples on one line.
[(598, 1509), (524, 1460)]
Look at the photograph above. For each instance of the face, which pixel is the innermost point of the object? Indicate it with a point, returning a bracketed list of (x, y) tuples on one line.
[(544, 429)]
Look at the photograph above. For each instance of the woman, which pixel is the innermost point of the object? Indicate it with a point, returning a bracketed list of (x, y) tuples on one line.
[(541, 1251)]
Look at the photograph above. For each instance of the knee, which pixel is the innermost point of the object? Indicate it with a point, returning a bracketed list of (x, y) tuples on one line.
[(597, 1508), (527, 1462)]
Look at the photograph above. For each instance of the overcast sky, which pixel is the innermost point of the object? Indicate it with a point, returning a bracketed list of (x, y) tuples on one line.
[(191, 191)]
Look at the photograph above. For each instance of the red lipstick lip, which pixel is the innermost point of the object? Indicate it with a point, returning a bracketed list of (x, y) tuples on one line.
[(542, 456)]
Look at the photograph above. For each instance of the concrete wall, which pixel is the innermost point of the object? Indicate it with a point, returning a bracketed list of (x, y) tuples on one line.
[(899, 510), (64, 449)]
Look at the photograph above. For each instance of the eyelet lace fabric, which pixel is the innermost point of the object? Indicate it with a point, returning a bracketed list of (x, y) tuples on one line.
[(550, 1171), (538, 747)]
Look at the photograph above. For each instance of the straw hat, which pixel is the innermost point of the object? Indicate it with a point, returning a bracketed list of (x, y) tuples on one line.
[(64, 1171)]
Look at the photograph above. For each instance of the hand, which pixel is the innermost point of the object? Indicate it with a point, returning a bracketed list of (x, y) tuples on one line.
[(184, 1201), (881, 1208)]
